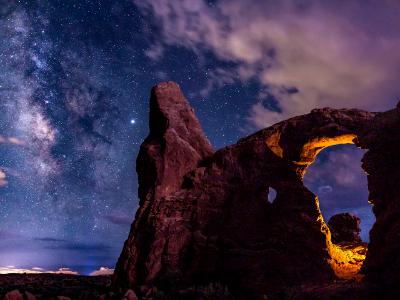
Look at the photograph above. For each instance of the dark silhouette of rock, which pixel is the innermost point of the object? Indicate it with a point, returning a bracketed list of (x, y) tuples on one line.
[(14, 295), (130, 295), (345, 227), (382, 164), (205, 218), (29, 296)]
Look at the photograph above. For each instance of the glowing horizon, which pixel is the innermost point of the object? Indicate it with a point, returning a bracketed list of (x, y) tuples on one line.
[(62, 270)]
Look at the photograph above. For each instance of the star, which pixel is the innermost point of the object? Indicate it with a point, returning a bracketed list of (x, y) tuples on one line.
[(133, 121)]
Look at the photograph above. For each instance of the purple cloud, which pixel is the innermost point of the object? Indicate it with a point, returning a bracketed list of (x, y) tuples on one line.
[(334, 53), (119, 219)]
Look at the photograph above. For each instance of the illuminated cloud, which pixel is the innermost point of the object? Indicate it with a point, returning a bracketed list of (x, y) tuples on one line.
[(304, 55), (102, 272), (14, 270), (35, 270), (11, 140), (67, 271)]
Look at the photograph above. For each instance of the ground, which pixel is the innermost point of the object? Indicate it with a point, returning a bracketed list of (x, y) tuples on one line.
[(50, 286)]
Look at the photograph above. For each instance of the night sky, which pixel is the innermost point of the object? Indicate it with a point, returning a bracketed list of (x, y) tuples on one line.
[(75, 78)]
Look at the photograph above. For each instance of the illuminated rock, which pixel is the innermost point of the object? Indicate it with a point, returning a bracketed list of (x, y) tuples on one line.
[(205, 218), (347, 250)]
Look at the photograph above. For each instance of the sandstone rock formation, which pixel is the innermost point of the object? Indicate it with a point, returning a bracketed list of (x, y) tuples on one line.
[(204, 216), (347, 247), (382, 164), (345, 227)]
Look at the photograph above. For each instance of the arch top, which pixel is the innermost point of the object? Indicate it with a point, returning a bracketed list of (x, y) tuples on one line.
[(311, 149), (300, 139)]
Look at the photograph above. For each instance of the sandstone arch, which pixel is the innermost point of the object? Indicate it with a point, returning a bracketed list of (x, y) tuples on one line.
[(203, 215)]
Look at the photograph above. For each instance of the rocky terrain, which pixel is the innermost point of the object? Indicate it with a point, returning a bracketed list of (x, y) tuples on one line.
[(52, 286), (204, 218)]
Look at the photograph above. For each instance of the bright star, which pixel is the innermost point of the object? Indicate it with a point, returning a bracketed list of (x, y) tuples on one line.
[(133, 121)]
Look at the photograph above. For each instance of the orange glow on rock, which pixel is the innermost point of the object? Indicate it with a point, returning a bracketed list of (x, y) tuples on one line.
[(346, 259), (311, 149), (273, 143)]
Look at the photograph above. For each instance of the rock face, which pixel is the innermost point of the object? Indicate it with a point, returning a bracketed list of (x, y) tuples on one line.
[(175, 146), (205, 218), (382, 165), (345, 227)]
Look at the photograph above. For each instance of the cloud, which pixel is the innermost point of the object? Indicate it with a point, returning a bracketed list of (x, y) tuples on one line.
[(328, 53), (339, 165), (155, 51), (63, 271), (50, 240), (337, 178), (35, 270), (14, 270), (103, 271), (11, 140), (346, 168), (325, 189), (7, 234), (76, 246), (119, 219), (3, 181), (218, 78)]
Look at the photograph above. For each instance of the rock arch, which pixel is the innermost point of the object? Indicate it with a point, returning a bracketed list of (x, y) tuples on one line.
[(203, 216)]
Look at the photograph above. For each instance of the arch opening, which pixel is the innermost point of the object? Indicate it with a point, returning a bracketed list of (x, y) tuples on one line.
[(272, 193), (340, 184)]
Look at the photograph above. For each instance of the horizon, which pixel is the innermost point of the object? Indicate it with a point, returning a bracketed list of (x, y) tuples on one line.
[(74, 270)]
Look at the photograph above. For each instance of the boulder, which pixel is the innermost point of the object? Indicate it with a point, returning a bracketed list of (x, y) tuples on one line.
[(14, 295), (130, 295), (345, 227)]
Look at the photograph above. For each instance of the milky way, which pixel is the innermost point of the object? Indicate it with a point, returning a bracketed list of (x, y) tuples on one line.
[(75, 78)]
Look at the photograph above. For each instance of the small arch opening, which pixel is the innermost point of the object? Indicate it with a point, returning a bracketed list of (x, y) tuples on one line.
[(340, 184), (272, 193)]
